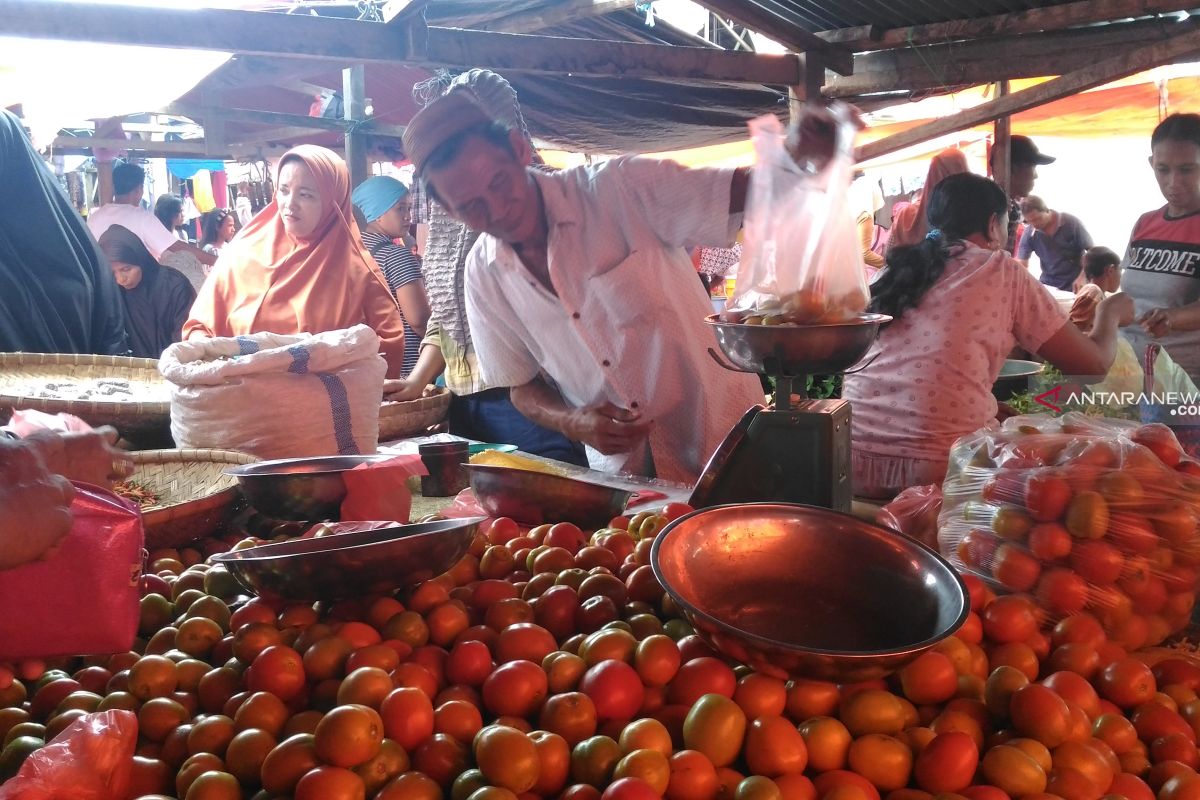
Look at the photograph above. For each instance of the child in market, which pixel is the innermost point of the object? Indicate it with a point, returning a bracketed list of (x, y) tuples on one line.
[(1102, 269)]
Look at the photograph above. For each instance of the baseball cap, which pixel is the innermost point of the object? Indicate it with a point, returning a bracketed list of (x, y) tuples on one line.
[(447, 116), (1022, 150)]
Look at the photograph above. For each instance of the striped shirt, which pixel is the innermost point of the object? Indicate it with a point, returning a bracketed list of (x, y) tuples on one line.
[(400, 268)]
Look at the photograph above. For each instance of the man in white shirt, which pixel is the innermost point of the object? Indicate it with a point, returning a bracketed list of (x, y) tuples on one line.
[(129, 181), (581, 295)]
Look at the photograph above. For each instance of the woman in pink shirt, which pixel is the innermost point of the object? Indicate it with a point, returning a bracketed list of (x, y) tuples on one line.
[(960, 304)]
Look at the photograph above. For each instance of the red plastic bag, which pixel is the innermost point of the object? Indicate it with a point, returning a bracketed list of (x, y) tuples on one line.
[(84, 599), (1085, 514), (465, 506), (914, 512), (91, 759), (380, 490)]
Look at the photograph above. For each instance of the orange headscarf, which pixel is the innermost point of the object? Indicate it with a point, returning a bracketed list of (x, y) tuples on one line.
[(268, 282), (910, 225)]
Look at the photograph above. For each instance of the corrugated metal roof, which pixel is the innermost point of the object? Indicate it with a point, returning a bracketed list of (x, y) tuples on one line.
[(823, 15)]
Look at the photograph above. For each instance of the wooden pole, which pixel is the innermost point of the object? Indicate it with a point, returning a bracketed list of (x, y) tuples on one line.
[(1098, 74), (354, 96), (1000, 161)]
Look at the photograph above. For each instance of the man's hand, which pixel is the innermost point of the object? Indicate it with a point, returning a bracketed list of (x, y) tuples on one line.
[(812, 138), (85, 457), (1156, 322), (36, 503), (608, 428)]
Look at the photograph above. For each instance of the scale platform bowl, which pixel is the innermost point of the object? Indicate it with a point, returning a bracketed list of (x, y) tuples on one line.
[(798, 591), (351, 564), (302, 489), (797, 349)]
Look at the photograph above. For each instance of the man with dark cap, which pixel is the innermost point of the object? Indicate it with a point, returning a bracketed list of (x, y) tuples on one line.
[(129, 183), (580, 293), (1024, 159)]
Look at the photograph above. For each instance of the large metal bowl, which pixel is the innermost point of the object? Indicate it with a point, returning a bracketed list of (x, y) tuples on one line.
[(535, 498), (351, 564), (800, 591), (299, 488), (797, 349)]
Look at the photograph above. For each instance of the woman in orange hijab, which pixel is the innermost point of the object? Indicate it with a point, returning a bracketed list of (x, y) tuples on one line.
[(299, 266), (910, 226)]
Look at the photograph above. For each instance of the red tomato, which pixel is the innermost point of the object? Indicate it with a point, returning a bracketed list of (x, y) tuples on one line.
[(630, 789), (698, 677), (615, 688), (278, 670), (673, 511), (1046, 496), (947, 764), (469, 663)]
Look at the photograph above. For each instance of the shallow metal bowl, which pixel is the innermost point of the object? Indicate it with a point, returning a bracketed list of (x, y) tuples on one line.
[(797, 349), (800, 591), (299, 488), (351, 564), (535, 498), (1015, 377)]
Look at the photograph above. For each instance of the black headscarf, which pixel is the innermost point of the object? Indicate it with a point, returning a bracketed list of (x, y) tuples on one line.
[(57, 293), (157, 307)]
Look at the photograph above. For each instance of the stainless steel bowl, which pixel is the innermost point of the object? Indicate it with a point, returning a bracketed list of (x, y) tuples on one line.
[(799, 591), (535, 498), (299, 488), (797, 349), (1015, 377), (351, 564)]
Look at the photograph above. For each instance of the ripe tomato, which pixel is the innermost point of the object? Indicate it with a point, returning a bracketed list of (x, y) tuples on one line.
[(615, 688), (515, 689), (1046, 496), (407, 716), (701, 676), (1011, 618), (930, 679), (947, 764), (1036, 711), (1127, 682), (774, 747), (507, 758), (1062, 592), (279, 670), (348, 735)]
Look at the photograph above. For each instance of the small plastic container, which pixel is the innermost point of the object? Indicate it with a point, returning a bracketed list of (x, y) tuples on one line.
[(444, 460)]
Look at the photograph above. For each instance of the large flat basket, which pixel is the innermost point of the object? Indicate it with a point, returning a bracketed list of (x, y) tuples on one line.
[(139, 404)]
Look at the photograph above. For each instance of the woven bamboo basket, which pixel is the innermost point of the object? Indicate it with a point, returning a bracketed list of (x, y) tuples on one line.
[(145, 415), (411, 417), (194, 496)]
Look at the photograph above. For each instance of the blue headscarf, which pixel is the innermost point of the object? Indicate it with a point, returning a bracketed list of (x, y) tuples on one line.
[(376, 196)]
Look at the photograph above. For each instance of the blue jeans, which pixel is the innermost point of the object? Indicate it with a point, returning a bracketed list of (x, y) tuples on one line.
[(490, 416)]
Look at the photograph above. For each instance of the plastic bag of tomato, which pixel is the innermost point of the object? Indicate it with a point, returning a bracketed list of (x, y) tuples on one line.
[(1085, 514)]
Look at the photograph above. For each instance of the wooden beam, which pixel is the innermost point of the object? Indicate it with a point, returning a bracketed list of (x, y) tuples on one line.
[(986, 61), (553, 55), (189, 149), (350, 41), (1097, 74), (246, 32), (268, 135), (557, 14), (756, 18), (278, 119), (1082, 12), (398, 11)]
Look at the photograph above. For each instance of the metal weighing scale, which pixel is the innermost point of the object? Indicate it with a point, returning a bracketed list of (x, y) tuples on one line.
[(796, 453)]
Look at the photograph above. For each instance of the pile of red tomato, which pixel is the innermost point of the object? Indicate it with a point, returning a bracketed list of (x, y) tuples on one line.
[(549, 664)]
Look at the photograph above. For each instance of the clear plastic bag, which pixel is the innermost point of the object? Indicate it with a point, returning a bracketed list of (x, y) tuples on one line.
[(914, 513), (1086, 514), (802, 261), (91, 759)]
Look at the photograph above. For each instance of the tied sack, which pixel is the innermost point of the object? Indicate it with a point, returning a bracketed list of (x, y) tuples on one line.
[(83, 599), (278, 396)]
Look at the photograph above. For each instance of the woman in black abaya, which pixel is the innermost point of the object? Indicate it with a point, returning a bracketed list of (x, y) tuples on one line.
[(157, 299), (57, 294)]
